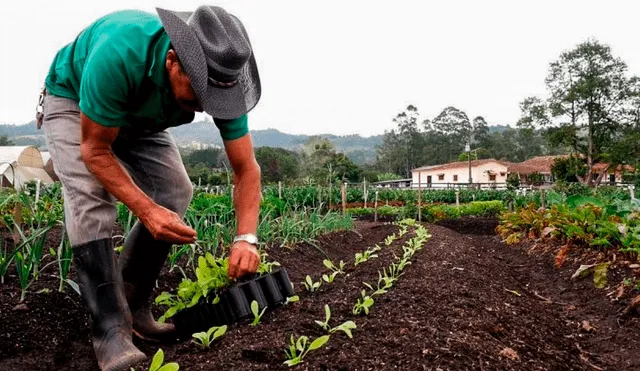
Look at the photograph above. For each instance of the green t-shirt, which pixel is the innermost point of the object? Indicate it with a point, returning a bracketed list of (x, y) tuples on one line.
[(116, 70)]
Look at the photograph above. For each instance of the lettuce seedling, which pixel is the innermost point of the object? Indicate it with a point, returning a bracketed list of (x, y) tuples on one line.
[(158, 360), (299, 349), (389, 240), (327, 315), (292, 299), (257, 315), (329, 264), (363, 304), (346, 328), (310, 285), (205, 339)]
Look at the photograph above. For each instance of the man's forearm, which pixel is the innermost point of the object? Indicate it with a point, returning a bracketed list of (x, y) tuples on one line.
[(246, 199), (115, 179)]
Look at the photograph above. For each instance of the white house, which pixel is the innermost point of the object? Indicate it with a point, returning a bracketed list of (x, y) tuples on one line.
[(489, 173)]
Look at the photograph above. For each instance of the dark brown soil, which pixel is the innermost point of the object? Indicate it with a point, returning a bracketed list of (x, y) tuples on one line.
[(467, 302)]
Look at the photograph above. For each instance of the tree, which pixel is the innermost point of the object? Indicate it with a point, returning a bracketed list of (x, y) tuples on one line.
[(591, 102), (207, 157), (277, 164), (568, 169), (4, 141)]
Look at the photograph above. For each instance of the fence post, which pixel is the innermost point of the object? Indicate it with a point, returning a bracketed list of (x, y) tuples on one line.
[(632, 192), (37, 191), (279, 189), (458, 198), (344, 198), (375, 208), (364, 192), (542, 200), (419, 198)]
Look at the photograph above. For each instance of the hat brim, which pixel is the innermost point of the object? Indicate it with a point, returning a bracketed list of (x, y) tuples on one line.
[(219, 102)]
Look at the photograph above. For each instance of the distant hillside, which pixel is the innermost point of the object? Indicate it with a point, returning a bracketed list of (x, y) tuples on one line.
[(359, 149)]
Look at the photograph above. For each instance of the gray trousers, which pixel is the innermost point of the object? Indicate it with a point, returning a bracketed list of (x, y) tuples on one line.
[(151, 158)]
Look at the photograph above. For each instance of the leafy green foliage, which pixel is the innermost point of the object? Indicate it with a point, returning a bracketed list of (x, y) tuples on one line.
[(157, 363), (205, 339), (257, 314), (310, 285), (299, 348)]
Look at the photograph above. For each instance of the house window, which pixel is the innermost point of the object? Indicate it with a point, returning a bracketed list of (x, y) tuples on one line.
[(503, 174), (492, 177), (455, 178), (440, 176)]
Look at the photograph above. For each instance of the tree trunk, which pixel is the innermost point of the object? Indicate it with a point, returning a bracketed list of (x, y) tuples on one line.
[(602, 174), (589, 179)]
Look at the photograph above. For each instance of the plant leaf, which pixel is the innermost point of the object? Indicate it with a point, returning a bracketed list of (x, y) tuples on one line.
[(254, 308), (319, 342), (583, 271), (600, 275), (158, 358), (170, 367)]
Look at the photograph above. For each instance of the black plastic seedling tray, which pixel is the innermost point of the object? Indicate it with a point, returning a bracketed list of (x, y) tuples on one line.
[(269, 290)]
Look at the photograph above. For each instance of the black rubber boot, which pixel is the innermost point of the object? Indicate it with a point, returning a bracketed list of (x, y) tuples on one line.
[(140, 263), (102, 292)]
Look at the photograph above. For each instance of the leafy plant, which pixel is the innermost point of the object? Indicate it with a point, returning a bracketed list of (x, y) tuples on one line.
[(334, 270), (310, 285), (363, 304), (298, 349), (292, 299), (257, 315), (157, 363), (327, 313), (205, 339)]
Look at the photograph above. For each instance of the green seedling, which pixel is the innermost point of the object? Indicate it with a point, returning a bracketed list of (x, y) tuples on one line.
[(389, 240), (329, 264), (257, 315), (403, 230), (205, 339), (298, 349), (329, 278), (363, 304), (363, 257), (346, 328), (327, 315), (292, 299), (310, 285), (158, 360)]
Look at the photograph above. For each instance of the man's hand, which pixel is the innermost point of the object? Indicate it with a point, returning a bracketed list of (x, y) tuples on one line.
[(166, 225), (244, 259)]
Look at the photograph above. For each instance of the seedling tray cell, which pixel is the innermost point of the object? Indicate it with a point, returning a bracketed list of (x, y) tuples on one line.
[(269, 290)]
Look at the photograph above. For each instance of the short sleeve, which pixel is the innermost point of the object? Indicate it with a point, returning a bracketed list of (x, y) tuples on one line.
[(105, 86), (234, 128)]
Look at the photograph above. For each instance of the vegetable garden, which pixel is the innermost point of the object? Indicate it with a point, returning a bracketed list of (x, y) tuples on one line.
[(392, 294)]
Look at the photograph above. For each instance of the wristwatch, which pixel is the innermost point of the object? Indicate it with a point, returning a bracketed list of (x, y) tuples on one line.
[(247, 237)]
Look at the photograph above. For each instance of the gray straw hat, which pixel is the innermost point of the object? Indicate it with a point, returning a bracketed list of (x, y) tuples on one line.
[(215, 52)]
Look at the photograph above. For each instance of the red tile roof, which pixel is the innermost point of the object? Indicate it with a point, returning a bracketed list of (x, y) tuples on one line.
[(461, 164), (540, 164)]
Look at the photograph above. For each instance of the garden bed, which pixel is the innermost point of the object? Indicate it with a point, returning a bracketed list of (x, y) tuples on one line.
[(466, 302)]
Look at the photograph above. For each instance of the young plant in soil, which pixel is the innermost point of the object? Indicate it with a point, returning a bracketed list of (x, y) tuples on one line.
[(205, 339), (363, 304), (345, 327), (366, 255), (298, 349), (310, 285), (157, 363), (292, 299), (257, 315), (334, 270)]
